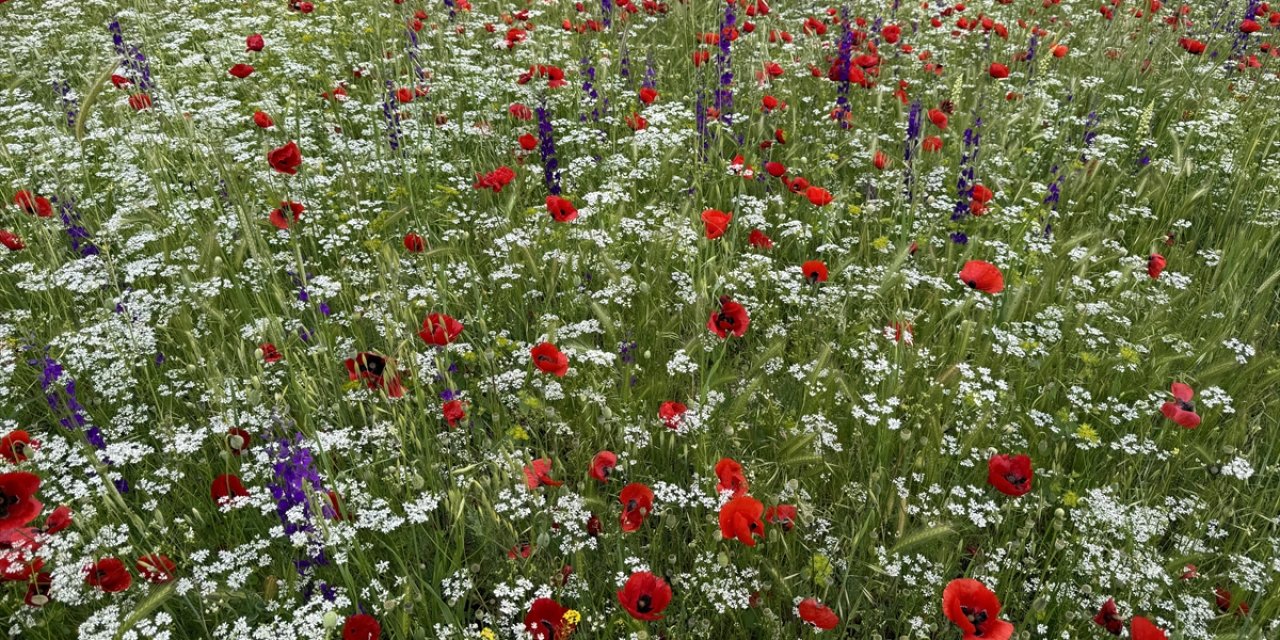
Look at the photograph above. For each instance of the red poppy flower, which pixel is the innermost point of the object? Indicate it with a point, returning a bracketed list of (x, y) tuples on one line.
[(775, 169), (818, 196), (769, 103), (522, 551), (16, 446), (18, 505), (140, 102), (796, 185), (554, 75), (404, 95), (58, 520), (716, 222), (120, 82), (238, 440), (528, 142), (241, 71), (285, 159), (740, 518), (645, 596), (637, 122), (672, 414), (932, 144), (361, 626), (603, 464), (982, 276), (109, 574), (1155, 265), (730, 319), (758, 239), (1060, 51), (18, 559), (648, 95), (263, 120), (155, 568), (288, 213), (254, 43), (783, 515), (1181, 410), (818, 614), (891, 33), (1192, 46), (538, 474), (454, 411), (225, 487), (982, 194), (815, 271), (38, 590), (270, 354), (974, 608), (373, 369), (731, 477), (495, 180), (545, 620), (561, 209), (548, 359), (998, 71), (939, 118), (440, 329), (11, 240), (1109, 617), (1010, 475), (33, 204), (520, 111), (637, 504), (1141, 628), (1223, 599)]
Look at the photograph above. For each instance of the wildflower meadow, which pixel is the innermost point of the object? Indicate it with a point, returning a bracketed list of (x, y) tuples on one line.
[(639, 319)]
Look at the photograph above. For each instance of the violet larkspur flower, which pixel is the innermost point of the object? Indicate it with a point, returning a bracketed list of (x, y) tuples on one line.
[(547, 148), (964, 183), (293, 475), (845, 54), (391, 113), (79, 236), (69, 105), (913, 137), (724, 66)]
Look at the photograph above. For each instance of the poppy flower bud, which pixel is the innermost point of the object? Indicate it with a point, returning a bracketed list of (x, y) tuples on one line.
[(254, 43), (330, 619)]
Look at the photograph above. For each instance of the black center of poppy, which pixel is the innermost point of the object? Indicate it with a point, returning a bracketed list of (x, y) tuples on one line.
[(546, 629), (813, 276), (606, 471), (973, 284), (1186, 406), (373, 364), (631, 505), (724, 319), (975, 617), (6, 501), (644, 604), (1015, 479)]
